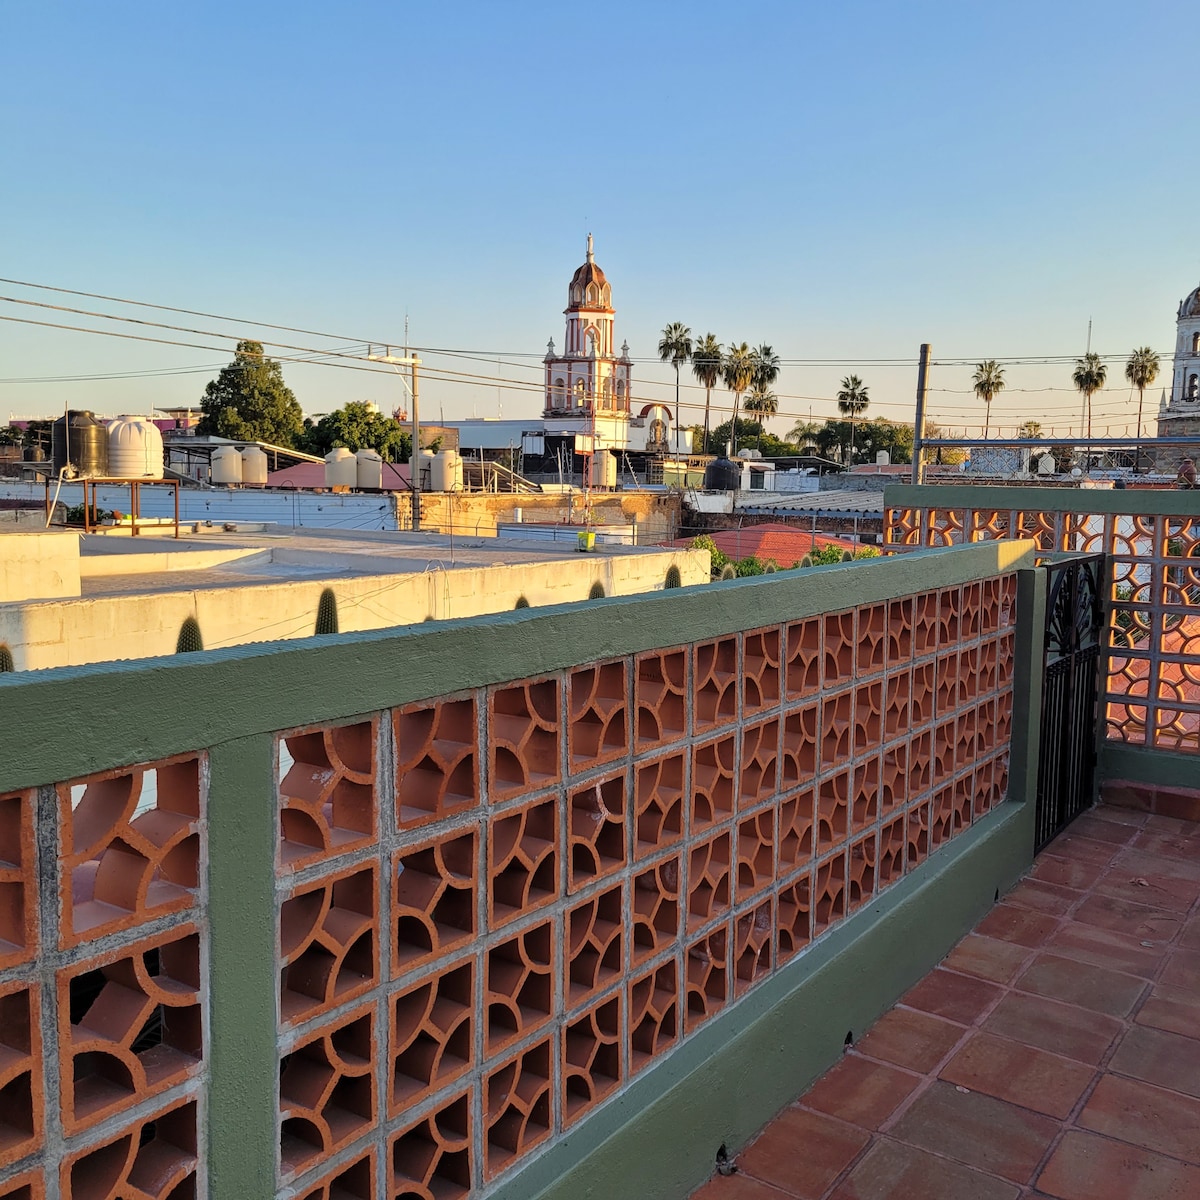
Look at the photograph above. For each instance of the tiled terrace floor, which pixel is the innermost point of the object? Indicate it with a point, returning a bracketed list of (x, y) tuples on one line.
[(1054, 1053)]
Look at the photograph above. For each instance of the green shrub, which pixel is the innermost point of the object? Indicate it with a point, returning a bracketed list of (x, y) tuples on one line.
[(674, 579), (597, 591), (867, 552), (750, 565), (189, 640), (718, 558), (327, 615)]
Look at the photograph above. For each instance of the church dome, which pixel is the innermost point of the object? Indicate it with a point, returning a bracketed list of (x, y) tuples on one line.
[(589, 286), (1191, 304)]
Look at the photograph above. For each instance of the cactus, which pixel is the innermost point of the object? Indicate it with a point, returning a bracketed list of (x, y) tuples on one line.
[(327, 618), (521, 603), (6, 660), (770, 569), (847, 556), (597, 591), (728, 571), (189, 639), (674, 579), (806, 562)]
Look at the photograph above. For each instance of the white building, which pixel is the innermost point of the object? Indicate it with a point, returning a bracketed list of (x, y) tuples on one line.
[(1180, 416)]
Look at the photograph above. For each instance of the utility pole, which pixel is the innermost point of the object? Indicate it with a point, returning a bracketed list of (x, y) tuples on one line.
[(918, 471), (414, 470)]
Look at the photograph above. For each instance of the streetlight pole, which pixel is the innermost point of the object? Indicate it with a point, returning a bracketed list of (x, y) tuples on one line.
[(414, 469)]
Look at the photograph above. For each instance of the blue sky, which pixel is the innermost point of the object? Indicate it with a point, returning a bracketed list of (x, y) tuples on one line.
[(841, 181)]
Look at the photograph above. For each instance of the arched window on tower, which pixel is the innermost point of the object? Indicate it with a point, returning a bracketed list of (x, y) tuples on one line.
[(606, 394), (1196, 343), (591, 293), (606, 295), (621, 402), (559, 397), (1193, 387), (580, 393), (576, 294)]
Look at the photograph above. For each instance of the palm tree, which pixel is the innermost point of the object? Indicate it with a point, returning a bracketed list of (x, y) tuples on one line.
[(706, 366), (851, 400), (1141, 370), (762, 401), (737, 370), (804, 433), (988, 380), (1029, 429), (1089, 377), (675, 347)]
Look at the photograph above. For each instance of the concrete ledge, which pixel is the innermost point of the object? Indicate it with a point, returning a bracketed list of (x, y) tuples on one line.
[(658, 1138)]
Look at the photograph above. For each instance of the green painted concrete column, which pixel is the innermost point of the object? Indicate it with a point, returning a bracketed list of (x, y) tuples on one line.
[(241, 1137), (1025, 748)]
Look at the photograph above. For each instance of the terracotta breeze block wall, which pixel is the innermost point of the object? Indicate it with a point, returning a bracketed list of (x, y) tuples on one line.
[(102, 1002), (496, 908)]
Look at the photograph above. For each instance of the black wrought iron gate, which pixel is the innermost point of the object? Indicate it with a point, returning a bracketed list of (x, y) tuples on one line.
[(1070, 691)]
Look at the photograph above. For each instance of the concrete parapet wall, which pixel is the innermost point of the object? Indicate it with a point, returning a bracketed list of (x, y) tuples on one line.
[(38, 565)]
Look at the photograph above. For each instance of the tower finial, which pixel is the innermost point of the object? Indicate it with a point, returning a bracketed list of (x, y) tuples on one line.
[(590, 258)]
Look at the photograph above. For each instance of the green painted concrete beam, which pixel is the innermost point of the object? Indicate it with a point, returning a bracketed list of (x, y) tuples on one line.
[(1101, 501), (1146, 764)]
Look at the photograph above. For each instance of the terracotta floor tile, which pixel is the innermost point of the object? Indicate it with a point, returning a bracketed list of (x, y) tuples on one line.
[(1172, 826), (1095, 988), (738, 1187), (1171, 1009), (1123, 916), (1142, 862), (802, 1152), (1043, 897), (893, 1171), (860, 1091), (987, 958), (1095, 825), (1144, 1115), (910, 1039), (1071, 845), (1106, 948), (1065, 872), (1166, 845), (977, 1130), (1167, 1059), (955, 997), (1190, 937), (1088, 1167), (1175, 895), (1183, 971), (1049, 1025), (1118, 815), (1019, 1074), (1010, 923)]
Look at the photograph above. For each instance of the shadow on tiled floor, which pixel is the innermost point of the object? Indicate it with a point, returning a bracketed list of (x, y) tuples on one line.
[(1054, 1053)]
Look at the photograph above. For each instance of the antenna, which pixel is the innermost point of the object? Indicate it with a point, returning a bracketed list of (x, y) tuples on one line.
[(1089, 344)]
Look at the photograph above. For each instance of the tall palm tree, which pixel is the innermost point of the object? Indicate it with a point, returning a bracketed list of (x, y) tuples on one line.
[(706, 366), (675, 347), (1141, 370), (1089, 377), (763, 402), (988, 380), (737, 370), (804, 433), (852, 399)]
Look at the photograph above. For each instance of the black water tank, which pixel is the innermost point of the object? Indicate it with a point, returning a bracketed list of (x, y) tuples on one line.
[(87, 451), (721, 475)]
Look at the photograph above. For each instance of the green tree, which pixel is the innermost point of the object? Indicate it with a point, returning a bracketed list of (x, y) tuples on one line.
[(675, 347), (1089, 377), (249, 401), (852, 399), (10, 435), (804, 434), (358, 427), (1029, 429), (1141, 370), (737, 370), (763, 403), (37, 436), (988, 380), (706, 367), (940, 454)]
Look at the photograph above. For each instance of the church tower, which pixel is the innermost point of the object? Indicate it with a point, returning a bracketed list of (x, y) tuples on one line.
[(588, 381), (1181, 415)]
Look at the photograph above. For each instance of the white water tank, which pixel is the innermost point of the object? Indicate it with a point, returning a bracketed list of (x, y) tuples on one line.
[(254, 466), (370, 469), (341, 468), (421, 470), (447, 472), (226, 466), (135, 449), (607, 473)]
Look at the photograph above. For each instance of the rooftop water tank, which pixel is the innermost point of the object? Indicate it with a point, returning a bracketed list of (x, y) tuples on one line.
[(447, 472), (722, 475), (370, 470), (254, 466), (226, 466), (341, 468), (135, 449), (421, 470), (85, 447)]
